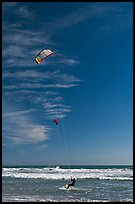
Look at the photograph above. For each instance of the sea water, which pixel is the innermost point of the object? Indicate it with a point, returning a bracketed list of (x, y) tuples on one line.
[(47, 184)]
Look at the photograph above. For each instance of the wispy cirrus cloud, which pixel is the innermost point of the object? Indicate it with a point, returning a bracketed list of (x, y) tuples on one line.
[(19, 9), (21, 129), (90, 11), (69, 61), (54, 105), (55, 110), (17, 113), (25, 133), (38, 86), (24, 83), (18, 46), (25, 38), (54, 75), (21, 41), (36, 79), (24, 12)]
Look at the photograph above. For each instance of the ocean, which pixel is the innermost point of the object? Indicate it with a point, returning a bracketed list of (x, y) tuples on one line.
[(47, 184)]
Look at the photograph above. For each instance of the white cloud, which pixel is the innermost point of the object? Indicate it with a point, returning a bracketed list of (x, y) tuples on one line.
[(54, 76), (19, 9), (26, 83), (20, 52), (18, 45), (26, 133), (54, 109), (54, 105), (39, 86), (14, 51), (24, 12), (87, 12), (17, 113), (69, 61), (18, 128), (33, 79), (25, 38)]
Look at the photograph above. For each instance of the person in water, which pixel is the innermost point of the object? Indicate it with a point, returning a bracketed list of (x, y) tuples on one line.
[(71, 184)]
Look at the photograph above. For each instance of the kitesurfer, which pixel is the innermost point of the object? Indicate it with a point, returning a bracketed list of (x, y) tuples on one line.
[(71, 184)]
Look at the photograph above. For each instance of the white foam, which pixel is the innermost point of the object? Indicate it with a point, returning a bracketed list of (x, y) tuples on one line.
[(59, 173)]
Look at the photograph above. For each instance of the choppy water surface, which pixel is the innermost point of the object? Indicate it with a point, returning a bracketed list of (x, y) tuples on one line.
[(46, 184)]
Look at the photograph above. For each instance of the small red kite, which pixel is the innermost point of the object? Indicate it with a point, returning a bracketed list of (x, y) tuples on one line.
[(56, 121)]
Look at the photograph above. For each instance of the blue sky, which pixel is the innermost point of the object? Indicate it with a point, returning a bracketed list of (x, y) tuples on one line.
[(87, 84)]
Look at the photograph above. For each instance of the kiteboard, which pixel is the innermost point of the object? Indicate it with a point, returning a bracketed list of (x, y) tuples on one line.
[(72, 188), (66, 188)]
